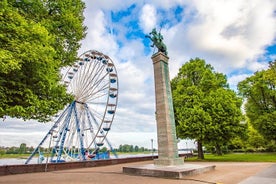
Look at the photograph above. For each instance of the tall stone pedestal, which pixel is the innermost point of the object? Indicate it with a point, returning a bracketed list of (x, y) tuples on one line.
[(167, 143), (168, 164)]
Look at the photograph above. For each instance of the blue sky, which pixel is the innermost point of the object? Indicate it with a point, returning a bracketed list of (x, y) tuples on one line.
[(236, 37)]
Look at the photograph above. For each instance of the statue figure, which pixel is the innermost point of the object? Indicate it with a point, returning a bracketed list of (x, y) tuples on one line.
[(157, 40)]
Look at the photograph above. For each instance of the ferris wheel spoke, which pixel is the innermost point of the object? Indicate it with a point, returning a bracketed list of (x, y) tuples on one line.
[(97, 72), (96, 103), (101, 89), (86, 81), (90, 83), (84, 71), (92, 86), (98, 99), (77, 80), (97, 80), (95, 115), (92, 94)]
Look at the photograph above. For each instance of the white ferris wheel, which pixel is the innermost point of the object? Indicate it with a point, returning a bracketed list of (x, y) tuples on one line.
[(84, 124)]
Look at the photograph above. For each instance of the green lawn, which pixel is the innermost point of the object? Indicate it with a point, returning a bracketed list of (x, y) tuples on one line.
[(15, 155), (238, 157)]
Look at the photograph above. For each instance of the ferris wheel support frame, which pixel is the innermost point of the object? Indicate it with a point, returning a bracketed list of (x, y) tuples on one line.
[(50, 132)]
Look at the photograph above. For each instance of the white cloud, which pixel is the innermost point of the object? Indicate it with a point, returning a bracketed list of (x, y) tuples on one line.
[(16, 131), (235, 79), (167, 4), (98, 36), (257, 66), (148, 18), (228, 34)]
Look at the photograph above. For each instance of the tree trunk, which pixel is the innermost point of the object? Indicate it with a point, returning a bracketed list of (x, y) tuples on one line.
[(200, 150), (218, 150)]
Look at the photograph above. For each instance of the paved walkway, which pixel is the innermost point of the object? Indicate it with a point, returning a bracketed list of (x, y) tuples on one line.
[(267, 176), (225, 172)]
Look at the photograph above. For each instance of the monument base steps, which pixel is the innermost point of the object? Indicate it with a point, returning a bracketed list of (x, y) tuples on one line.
[(175, 172)]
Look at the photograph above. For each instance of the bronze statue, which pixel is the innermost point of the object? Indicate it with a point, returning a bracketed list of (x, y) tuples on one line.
[(157, 40)]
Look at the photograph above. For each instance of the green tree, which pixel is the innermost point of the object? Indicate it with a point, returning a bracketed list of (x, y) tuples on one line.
[(237, 144), (141, 149), (37, 38), (22, 148), (12, 150), (205, 108), (260, 93), (136, 148), (103, 149), (255, 139), (2, 151), (131, 148), (120, 149), (124, 148), (223, 106)]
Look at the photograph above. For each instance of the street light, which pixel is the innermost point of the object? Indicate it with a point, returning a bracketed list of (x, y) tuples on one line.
[(152, 147)]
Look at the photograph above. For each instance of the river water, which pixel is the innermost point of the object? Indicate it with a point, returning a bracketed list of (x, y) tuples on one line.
[(20, 161), (15, 161)]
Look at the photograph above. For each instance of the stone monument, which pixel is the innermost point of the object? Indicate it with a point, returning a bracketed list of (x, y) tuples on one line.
[(168, 164), (167, 143)]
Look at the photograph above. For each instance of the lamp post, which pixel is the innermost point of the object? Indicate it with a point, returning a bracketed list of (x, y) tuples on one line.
[(152, 148)]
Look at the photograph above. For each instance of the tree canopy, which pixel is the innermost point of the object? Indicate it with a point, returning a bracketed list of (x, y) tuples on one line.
[(37, 38), (205, 108), (260, 93)]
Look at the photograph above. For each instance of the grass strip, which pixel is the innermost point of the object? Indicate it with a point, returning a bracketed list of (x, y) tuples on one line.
[(238, 157)]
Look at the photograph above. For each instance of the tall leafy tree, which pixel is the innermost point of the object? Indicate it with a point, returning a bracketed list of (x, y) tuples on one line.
[(22, 148), (255, 139), (205, 108), (260, 93), (223, 106), (37, 38)]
